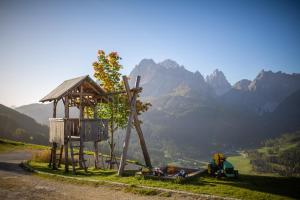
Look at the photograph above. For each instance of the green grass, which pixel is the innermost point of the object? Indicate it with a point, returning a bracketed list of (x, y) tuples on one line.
[(108, 156), (9, 145), (241, 163), (246, 187)]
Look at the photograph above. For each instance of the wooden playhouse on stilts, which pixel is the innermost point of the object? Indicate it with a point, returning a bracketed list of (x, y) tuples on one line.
[(71, 133)]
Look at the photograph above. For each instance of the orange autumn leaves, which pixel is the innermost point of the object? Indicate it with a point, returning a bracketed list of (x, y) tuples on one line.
[(107, 72)]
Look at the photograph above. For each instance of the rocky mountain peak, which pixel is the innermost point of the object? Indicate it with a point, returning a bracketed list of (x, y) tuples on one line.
[(242, 85), (274, 80), (169, 64), (218, 82), (146, 62), (159, 79)]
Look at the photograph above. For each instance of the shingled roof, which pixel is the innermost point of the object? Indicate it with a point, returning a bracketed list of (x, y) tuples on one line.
[(69, 85)]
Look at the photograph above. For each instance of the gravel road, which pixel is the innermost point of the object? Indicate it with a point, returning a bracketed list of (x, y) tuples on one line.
[(15, 183)]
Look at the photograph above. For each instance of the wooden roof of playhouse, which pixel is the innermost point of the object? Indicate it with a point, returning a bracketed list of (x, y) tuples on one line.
[(76, 87)]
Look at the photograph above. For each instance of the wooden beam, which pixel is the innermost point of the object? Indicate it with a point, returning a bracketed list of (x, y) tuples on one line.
[(67, 107), (75, 94), (80, 105), (54, 144), (60, 154), (96, 153), (66, 139), (93, 87), (140, 132), (130, 117), (142, 140), (81, 116), (54, 108), (111, 143)]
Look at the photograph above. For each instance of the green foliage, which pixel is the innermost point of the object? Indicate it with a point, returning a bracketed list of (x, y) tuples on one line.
[(107, 72), (291, 160), (279, 155), (17, 126)]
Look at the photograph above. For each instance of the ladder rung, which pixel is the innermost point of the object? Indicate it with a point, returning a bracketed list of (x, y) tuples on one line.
[(76, 146), (74, 138)]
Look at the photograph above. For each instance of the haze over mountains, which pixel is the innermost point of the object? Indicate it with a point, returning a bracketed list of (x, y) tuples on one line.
[(194, 115), (201, 115)]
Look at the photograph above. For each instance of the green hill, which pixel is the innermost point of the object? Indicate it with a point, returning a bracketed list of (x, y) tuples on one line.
[(19, 127)]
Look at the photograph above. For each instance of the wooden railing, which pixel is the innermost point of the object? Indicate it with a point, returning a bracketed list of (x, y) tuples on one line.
[(91, 129)]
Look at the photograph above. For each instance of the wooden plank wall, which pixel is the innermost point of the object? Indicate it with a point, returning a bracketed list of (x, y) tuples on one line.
[(94, 129), (56, 130)]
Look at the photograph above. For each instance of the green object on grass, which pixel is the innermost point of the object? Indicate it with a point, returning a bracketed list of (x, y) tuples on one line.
[(221, 167)]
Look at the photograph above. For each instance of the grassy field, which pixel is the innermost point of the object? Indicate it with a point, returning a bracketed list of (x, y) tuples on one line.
[(8, 145), (241, 163), (248, 186)]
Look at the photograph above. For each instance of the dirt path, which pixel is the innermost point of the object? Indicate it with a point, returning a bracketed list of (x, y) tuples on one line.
[(15, 183)]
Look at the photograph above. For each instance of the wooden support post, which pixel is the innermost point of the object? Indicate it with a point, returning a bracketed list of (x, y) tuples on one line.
[(142, 140), (111, 143), (66, 138), (60, 154), (54, 144), (130, 117), (138, 129), (81, 109), (54, 147), (66, 146), (54, 108), (96, 154)]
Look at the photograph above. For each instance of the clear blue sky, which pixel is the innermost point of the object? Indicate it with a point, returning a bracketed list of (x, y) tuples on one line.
[(45, 42)]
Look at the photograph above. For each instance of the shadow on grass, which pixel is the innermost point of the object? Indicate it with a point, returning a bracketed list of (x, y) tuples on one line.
[(79, 172), (284, 186)]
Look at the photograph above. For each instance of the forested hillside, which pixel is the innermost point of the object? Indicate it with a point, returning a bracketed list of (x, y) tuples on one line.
[(279, 155), (20, 127)]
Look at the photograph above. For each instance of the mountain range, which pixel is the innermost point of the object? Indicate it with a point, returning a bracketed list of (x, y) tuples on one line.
[(205, 115), (193, 116)]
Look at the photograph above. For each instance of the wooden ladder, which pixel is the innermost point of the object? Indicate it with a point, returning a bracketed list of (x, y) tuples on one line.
[(98, 161), (74, 140), (55, 156)]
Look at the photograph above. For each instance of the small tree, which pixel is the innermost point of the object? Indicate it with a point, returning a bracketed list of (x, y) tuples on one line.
[(107, 72)]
